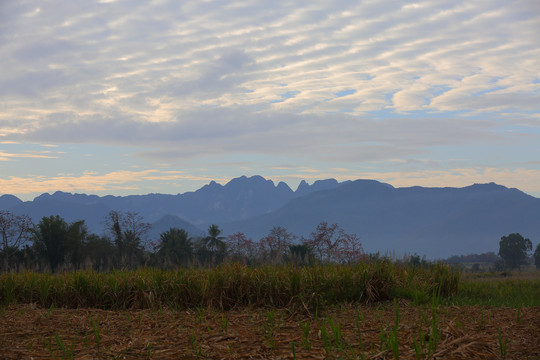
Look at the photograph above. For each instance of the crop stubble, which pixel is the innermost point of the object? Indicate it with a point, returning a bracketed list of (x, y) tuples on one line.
[(467, 332)]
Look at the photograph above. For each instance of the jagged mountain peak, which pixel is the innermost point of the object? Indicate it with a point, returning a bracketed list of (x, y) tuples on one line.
[(412, 219), (304, 188), (213, 185), (253, 182), (283, 186)]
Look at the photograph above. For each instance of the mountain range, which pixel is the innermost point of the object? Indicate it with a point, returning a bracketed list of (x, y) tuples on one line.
[(436, 222)]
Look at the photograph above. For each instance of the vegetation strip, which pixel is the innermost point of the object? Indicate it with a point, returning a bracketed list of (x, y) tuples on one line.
[(229, 286)]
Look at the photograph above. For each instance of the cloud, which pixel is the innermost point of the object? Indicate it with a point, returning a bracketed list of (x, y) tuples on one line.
[(92, 182), (167, 56), (210, 132), (34, 155), (213, 81)]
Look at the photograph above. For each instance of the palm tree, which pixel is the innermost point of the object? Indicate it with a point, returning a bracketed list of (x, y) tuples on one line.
[(213, 241), (175, 247), (215, 244)]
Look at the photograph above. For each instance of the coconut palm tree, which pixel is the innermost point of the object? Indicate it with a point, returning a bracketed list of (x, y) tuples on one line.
[(215, 244), (213, 241)]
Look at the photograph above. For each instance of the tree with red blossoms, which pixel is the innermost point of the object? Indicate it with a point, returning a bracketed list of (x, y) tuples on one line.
[(351, 249), (275, 247), (331, 244), (240, 247)]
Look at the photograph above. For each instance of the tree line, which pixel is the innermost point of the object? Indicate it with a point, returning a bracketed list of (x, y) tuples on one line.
[(56, 245)]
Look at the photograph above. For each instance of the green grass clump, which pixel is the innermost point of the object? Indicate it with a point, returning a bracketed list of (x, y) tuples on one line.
[(230, 285), (501, 291)]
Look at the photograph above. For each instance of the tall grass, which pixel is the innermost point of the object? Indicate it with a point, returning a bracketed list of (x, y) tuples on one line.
[(227, 286)]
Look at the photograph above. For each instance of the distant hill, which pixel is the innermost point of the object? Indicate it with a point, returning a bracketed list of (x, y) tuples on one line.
[(171, 221), (437, 222), (9, 201), (239, 199)]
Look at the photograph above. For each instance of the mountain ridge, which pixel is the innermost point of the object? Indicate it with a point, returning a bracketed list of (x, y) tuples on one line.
[(438, 222), (435, 221), (240, 198)]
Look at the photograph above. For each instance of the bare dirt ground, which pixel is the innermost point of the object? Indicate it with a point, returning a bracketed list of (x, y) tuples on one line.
[(352, 331)]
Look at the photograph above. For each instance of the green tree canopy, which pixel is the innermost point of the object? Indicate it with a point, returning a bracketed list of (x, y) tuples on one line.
[(513, 249), (301, 254), (60, 242), (100, 251), (175, 247), (537, 256)]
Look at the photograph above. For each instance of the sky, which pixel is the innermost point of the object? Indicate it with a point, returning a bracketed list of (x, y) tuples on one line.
[(136, 97)]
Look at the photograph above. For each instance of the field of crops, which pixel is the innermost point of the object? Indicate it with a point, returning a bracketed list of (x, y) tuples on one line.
[(375, 310)]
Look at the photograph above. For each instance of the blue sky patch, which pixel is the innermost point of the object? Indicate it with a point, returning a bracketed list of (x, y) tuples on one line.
[(345, 92)]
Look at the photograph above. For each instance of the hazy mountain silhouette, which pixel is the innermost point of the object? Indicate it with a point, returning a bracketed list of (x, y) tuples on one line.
[(437, 222), (171, 221), (239, 199), (304, 188), (8, 201)]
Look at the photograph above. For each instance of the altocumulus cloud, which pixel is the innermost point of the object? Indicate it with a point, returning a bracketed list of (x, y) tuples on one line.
[(336, 81)]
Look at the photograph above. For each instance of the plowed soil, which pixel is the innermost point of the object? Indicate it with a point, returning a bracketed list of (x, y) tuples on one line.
[(352, 331)]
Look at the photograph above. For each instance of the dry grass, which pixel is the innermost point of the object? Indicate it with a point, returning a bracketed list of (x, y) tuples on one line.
[(469, 332), (236, 312)]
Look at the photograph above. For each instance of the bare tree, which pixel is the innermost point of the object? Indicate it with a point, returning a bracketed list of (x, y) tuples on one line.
[(128, 230), (15, 230)]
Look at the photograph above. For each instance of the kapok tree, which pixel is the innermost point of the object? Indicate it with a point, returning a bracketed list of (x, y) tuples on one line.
[(331, 244)]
